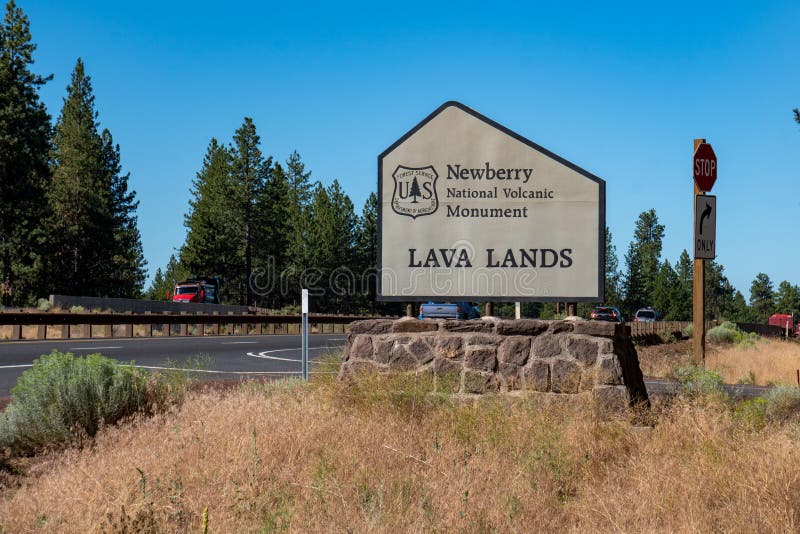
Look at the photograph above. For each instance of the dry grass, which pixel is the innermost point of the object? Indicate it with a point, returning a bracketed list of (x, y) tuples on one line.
[(382, 456), (768, 362)]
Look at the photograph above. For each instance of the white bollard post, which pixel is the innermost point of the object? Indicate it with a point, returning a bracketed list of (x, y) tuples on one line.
[(517, 310), (304, 329)]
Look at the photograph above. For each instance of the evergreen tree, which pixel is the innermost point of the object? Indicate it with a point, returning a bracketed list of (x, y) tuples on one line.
[(740, 311), (297, 239), (642, 262), (333, 234), (719, 292), (82, 221), (164, 281), (762, 298), (366, 252), (681, 306), (24, 173), (665, 288), (249, 175), (126, 270), (272, 238), (210, 248), (787, 299), (613, 275)]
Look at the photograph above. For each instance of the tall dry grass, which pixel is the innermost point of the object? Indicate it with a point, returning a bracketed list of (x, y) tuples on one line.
[(381, 455), (767, 362), (770, 361)]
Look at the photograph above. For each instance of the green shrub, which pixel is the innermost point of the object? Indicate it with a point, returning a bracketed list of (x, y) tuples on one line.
[(720, 334), (728, 332), (697, 381), (782, 402), (63, 397), (687, 331), (752, 413), (77, 309), (43, 304)]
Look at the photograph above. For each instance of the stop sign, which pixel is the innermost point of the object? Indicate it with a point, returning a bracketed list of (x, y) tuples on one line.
[(704, 167)]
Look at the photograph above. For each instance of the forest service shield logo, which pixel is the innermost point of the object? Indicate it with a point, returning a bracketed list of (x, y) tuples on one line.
[(415, 191)]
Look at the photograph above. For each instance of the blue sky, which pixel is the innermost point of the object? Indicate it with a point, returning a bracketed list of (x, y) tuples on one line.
[(620, 89)]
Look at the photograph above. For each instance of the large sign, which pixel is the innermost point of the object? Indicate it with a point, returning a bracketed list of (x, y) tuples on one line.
[(705, 227), (471, 210)]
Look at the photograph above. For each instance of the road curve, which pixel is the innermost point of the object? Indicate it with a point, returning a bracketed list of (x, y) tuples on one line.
[(228, 356)]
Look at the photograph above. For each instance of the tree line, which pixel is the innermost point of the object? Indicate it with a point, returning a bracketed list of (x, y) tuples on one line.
[(269, 230), (68, 221), (67, 218)]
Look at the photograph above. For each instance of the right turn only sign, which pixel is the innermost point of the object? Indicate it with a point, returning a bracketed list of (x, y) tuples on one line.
[(705, 227)]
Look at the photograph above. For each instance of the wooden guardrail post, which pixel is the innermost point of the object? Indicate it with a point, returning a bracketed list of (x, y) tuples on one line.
[(41, 331), (16, 332)]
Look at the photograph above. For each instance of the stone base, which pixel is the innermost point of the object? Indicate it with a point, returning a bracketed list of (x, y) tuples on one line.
[(475, 357)]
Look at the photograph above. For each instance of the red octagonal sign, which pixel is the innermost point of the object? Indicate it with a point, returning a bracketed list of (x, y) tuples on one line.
[(704, 167)]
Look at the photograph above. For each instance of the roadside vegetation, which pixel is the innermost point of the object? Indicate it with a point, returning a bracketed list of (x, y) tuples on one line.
[(738, 358), (385, 454)]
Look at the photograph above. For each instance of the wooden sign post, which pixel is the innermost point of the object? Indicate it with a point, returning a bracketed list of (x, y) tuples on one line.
[(704, 166)]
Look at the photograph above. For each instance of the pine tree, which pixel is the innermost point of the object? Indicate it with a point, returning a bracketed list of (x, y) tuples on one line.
[(210, 247), (272, 239), (333, 233), (762, 298), (297, 245), (164, 281), (664, 289), (642, 261), (720, 293), (613, 276), (366, 251), (249, 175), (24, 173), (787, 299), (740, 311), (126, 274), (681, 306), (82, 221)]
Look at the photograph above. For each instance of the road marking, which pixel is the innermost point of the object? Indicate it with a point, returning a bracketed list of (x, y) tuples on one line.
[(91, 348), (264, 354), (220, 372), (16, 366)]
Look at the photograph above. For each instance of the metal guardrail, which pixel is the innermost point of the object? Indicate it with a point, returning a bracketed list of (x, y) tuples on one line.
[(108, 325)]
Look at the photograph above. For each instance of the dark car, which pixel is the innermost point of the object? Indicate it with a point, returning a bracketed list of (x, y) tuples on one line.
[(446, 310), (646, 315), (607, 313)]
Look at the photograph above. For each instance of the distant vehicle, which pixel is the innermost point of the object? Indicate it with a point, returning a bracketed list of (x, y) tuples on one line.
[(446, 310), (785, 321), (199, 290), (646, 315), (607, 313)]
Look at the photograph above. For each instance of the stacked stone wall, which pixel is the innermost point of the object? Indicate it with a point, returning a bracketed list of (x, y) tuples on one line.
[(484, 356)]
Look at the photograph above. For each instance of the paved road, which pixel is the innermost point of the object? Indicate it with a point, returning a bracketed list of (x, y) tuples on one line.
[(230, 357)]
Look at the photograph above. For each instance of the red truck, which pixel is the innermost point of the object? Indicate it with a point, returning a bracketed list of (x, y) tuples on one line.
[(199, 290), (786, 322)]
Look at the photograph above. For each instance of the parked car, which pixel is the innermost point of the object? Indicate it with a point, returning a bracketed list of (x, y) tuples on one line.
[(646, 315), (607, 313), (446, 310)]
